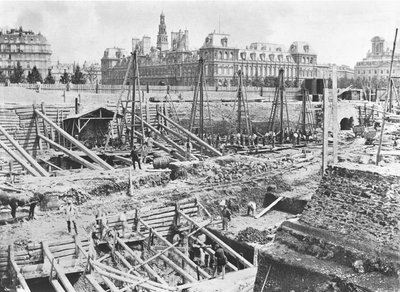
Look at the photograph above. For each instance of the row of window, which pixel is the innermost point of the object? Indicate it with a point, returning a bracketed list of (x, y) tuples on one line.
[(374, 71)]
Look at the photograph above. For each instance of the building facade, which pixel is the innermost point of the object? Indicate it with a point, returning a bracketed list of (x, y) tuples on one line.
[(178, 65), (376, 65), (27, 48)]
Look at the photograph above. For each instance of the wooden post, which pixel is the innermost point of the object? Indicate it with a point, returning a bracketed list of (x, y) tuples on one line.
[(45, 132), (22, 151), (89, 153), (335, 124), (192, 136), (94, 283), (37, 128), (177, 217), (137, 221), (130, 182), (378, 154), (325, 131)]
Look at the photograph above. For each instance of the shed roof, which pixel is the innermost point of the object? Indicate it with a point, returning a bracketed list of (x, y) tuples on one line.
[(100, 112)]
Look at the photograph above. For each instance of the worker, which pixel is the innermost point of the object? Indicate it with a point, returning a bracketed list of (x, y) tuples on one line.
[(251, 208), (201, 239), (70, 212), (188, 148), (32, 207), (226, 217), (135, 157), (13, 205), (124, 223), (102, 221), (220, 261)]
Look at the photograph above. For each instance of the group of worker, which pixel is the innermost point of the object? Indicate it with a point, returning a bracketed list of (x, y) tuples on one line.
[(197, 246)]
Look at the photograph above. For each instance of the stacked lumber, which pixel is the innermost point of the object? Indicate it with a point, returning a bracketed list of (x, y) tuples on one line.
[(160, 219), (31, 258), (19, 122)]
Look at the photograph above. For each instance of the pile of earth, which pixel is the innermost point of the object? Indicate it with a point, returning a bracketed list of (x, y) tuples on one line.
[(253, 235)]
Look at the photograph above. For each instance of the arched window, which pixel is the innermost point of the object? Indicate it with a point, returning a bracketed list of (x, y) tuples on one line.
[(226, 55), (220, 55), (231, 56)]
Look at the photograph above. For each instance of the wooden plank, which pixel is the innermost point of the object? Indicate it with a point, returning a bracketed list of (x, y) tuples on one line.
[(268, 208), (19, 159), (94, 283), (70, 153), (335, 124), (24, 154), (148, 269), (227, 248), (67, 136), (191, 135), (129, 278), (60, 272), (56, 285)]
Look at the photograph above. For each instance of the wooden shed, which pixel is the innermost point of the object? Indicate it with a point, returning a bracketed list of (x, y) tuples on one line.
[(90, 127)]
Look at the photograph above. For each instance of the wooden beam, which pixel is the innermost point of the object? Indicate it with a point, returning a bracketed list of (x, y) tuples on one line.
[(148, 269), (168, 140), (211, 252), (128, 278), (13, 266), (325, 131), (191, 135), (89, 153), (45, 132), (268, 208), (56, 285), (70, 153), (51, 164), (227, 248), (335, 124), (60, 272), (37, 129), (22, 151), (110, 284), (94, 283), (178, 252), (162, 147), (19, 159)]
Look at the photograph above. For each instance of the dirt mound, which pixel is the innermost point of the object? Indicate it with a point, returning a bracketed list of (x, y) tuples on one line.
[(251, 234)]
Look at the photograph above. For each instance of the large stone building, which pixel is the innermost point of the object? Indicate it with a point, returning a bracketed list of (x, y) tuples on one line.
[(376, 65), (178, 65), (25, 47)]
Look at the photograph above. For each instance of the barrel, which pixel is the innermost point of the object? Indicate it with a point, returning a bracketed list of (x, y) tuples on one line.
[(161, 162)]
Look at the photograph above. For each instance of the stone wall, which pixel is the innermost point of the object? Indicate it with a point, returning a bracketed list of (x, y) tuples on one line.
[(363, 203)]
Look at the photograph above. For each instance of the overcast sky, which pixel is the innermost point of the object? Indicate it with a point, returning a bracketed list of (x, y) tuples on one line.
[(339, 31)]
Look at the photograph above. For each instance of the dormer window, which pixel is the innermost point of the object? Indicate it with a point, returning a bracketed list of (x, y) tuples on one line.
[(253, 56), (243, 55), (280, 58), (262, 57), (306, 48), (288, 58), (224, 42), (271, 57), (279, 49)]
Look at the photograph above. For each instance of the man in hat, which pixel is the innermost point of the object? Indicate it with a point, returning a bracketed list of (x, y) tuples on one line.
[(251, 208), (220, 261), (135, 157), (226, 217), (70, 212)]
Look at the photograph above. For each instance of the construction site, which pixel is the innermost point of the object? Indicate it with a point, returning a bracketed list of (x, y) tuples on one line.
[(322, 173)]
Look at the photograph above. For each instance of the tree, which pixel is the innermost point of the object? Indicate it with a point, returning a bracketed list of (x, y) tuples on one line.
[(65, 78), (34, 76), (270, 81), (49, 78), (18, 74), (78, 77), (91, 73), (3, 77)]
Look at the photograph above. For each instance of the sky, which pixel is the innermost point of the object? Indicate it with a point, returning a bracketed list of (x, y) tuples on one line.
[(339, 31)]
